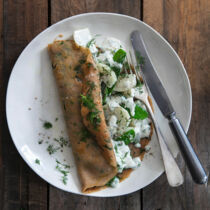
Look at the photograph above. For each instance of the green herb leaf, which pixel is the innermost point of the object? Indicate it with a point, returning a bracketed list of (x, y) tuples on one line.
[(140, 114), (77, 68), (127, 137), (85, 135), (47, 125), (94, 118), (106, 91), (90, 42), (64, 165), (87, 101), (109, 183), (51, 149), (37, 161), (62, 141), (119, 56), (116, 70)]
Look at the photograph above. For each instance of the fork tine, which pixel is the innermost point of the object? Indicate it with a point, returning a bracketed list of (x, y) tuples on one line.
[(129, 66), (134, 68)]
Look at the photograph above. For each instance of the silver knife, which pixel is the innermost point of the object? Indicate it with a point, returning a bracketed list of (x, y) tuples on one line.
[(156, 88)]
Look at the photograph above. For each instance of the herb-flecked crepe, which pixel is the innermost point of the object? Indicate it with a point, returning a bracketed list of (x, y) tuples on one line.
[(78, 81), (95, 159)]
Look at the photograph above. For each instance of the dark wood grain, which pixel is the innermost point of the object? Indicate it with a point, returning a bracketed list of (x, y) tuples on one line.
[(185, 24), (21, 187), (1, 104), (62, 9)]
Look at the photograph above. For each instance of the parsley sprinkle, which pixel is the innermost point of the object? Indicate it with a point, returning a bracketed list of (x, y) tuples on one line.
[(37, 161), (87, 101), (47, 125), (51, 149), (127, 137), (109, 183), (77, 68), (94, 118), (62, 141), (92, 41), (59, 167)]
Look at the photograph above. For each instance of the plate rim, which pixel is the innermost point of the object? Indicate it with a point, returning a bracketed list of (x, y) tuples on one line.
[(71, 18)]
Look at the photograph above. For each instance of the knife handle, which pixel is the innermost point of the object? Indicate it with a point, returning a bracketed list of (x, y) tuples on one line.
[(194, 165)]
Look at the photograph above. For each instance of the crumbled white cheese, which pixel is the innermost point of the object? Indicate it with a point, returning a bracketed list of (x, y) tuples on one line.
[(125, 83), (107, 58), (115, 182), (82, 37), (138, 145), (108, 75), (123, 156), (112, 125), (142, 128), (111, 44)]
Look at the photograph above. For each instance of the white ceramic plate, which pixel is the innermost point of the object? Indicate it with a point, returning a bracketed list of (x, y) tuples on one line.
[(32, 97)]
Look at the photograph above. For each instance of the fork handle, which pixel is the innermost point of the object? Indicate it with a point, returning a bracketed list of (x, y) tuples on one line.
[(172, 170), (194, 165)]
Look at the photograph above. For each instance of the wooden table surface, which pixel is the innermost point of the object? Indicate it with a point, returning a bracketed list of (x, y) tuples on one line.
[(185, 24)]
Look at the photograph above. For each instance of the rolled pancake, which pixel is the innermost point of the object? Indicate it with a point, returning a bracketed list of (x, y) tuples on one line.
[(92, 111), (93, 168)]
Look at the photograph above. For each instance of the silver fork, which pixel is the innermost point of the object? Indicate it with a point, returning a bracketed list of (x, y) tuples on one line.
[(172, 170)]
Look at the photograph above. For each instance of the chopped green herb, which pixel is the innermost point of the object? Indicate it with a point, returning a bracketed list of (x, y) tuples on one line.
[(116, 70), (61, 42), (40, 141), (87, 101), (64, 165), (140, 114), (115, 148), (77, 68), (85, 135), (94, 118), (127, 137), (64, 172), (109, 183), (37, 161), (89, 65), (92, 87), (125, 155), (139, 84), (47, 125), (56, 119), (64, 179), (142, 150), (92, 41), (81, 61), (51, 149), (106, 91), (119, 56), (62, 141)]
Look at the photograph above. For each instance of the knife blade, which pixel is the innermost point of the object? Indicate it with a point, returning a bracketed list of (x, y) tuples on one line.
[(155, 86), (159, 93)]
